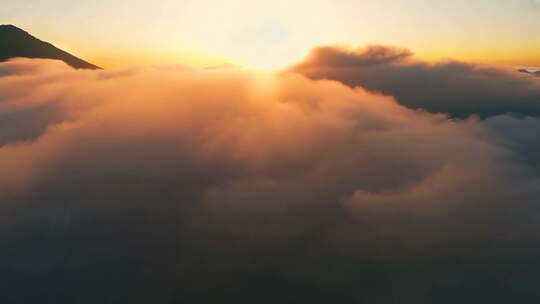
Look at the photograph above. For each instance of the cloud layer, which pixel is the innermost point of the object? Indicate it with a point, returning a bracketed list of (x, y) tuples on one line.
[(456, 88), (173, 185)]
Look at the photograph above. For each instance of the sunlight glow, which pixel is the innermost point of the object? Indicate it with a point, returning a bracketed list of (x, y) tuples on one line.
[(274, 34)]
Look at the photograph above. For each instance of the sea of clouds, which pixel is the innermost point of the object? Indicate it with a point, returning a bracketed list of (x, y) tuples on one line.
[(381, 179)]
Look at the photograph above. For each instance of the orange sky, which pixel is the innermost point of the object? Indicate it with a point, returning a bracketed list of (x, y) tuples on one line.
[(272, 34)]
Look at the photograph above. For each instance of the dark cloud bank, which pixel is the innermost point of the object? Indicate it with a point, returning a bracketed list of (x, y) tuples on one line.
[(171, 185), (456, 88)]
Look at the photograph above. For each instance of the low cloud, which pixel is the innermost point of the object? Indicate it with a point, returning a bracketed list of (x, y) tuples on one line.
[(455, 88), (535, 72), (167, 185)]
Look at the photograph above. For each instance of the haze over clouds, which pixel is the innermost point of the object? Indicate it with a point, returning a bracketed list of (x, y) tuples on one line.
[(179, 185), (457, 88)]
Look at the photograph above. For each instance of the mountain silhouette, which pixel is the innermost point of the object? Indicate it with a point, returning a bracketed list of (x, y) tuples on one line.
[(14, 42)]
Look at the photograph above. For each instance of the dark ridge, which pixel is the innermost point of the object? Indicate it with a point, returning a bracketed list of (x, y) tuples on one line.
[(15, 42)]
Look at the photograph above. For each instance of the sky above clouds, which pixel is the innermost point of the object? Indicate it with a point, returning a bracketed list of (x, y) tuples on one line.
[(365, 170), (272, 34)]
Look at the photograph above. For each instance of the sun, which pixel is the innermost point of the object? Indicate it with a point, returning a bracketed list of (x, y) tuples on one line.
[(267, 35)]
